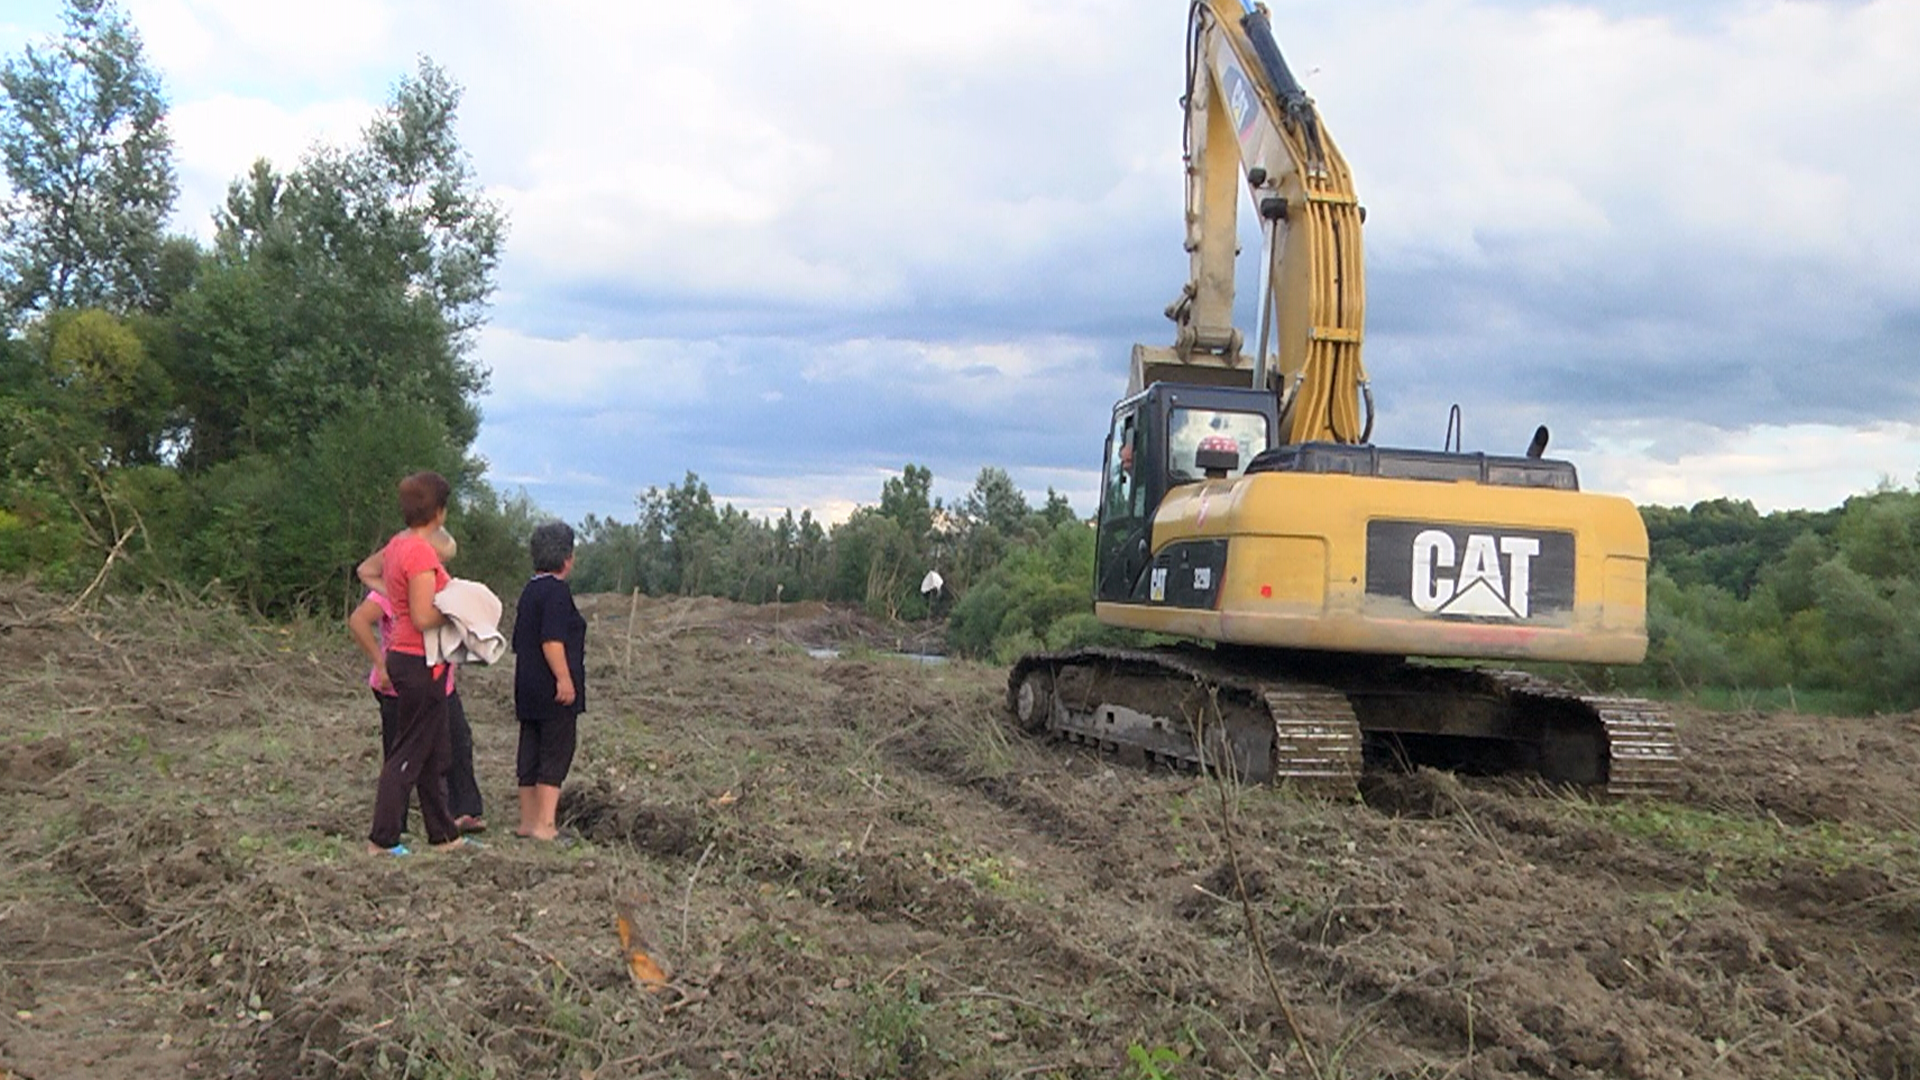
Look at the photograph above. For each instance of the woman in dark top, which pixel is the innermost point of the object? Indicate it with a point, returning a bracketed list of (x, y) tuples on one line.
[(549, 679)]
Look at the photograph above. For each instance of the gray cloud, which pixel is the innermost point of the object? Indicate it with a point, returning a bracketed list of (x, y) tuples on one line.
[(798, 246)]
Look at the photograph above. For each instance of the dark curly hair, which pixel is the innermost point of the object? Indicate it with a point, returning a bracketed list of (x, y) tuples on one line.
[(550, 545)]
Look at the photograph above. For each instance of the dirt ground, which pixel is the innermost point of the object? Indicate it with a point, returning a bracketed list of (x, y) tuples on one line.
[(854, 868)]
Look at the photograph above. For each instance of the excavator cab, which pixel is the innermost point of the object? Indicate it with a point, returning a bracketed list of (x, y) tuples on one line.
[(1162, 438)]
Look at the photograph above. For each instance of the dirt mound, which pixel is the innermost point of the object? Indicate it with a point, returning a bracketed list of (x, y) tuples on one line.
[(601, 812), (855, 867), (809, 624), (29, 764)]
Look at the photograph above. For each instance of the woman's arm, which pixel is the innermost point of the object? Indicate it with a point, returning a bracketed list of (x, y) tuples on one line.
[(556, 654), (362, 625), (420, 607), (372, 572)]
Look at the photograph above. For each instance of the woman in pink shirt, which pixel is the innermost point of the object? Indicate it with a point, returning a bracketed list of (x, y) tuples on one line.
[(371, 625), (422, 745)]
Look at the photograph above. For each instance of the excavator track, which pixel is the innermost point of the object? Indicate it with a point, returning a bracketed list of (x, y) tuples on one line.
[(1316, 740), (1643, 747), (1192, 711), (1311, 721)]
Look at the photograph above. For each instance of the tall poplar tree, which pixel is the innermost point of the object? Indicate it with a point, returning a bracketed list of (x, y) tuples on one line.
[(84, 142)]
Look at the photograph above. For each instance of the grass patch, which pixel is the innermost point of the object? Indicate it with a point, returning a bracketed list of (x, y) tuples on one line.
[(1776, 700), (1664, 909), (893, 1028), (1752, 846)]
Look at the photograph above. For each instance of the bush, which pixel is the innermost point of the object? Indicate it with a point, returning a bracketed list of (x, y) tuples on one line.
[(1039, 596)]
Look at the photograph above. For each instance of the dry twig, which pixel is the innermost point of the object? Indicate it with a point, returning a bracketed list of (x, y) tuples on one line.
[(686, 898), (1224, 782)]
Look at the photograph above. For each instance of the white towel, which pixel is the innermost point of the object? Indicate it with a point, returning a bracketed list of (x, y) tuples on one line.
[(471, 633)]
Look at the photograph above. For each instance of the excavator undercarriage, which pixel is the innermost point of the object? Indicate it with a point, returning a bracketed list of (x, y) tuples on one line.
[(1315, 720)]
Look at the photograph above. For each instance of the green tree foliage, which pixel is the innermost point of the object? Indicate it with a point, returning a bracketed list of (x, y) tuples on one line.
[(1039, 597), (105, 368), (876, 563), (683, 544), (1824, 600), (363, 271), (1725, 542), (978, 531), (84, 140), (238, 415), (493, 532)]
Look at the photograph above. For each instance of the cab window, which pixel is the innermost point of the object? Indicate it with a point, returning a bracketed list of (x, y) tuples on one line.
[(1188, 426), (1123, 489)]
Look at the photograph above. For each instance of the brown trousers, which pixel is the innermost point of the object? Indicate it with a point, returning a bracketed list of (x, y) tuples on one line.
[(422, 750)]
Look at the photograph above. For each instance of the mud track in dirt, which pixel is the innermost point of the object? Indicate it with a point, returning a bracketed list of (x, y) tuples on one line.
[(854, 867)]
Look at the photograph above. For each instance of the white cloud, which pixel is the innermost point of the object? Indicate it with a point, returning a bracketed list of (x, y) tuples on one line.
[(1765, 134), (217, 139), (945, 369), (822, 154), (212, 42), (531, 372), (1777, 467)]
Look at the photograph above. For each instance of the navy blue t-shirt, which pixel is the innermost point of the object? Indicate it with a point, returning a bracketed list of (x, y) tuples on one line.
[(546, 613)]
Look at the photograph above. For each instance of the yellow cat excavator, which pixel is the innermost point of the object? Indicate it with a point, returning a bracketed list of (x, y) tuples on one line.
[(1245, 510)]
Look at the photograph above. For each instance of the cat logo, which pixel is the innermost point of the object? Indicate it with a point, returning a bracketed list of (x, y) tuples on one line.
[(1157, 586), (1463, 572), (1241, 104), (1479, 588)]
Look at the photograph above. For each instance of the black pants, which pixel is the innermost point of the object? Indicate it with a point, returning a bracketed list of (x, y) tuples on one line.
[(546, 750), (463, 787), (422, 750), (389, 723)]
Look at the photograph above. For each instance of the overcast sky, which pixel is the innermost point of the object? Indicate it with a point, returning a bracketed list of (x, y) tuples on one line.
[(794, 245)]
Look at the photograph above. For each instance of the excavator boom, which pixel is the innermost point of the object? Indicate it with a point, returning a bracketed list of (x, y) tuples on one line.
[(1250, 124)]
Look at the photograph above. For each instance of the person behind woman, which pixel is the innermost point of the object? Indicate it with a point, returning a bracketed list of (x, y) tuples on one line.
[(371, 625), (549, 679), (422, 746)]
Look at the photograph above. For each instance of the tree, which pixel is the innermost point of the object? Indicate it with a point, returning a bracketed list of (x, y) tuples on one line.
[(1039, 596), (693, 527), (105, 367), (875, 564), (84, 141), (1057, 511), (906, 500), (880, 553), (606, 556), (365, 268), (996, 503)]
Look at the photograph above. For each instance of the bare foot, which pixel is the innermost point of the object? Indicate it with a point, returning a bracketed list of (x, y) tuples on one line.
[(395, 851)]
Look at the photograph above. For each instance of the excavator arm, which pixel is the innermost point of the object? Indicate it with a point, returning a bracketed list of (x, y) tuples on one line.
[(1249, 123)]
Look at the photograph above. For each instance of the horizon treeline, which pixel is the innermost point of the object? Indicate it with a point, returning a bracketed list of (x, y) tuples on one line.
[(1820, 608)]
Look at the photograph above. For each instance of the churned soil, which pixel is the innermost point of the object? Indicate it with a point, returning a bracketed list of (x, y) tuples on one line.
[(853, 866)]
